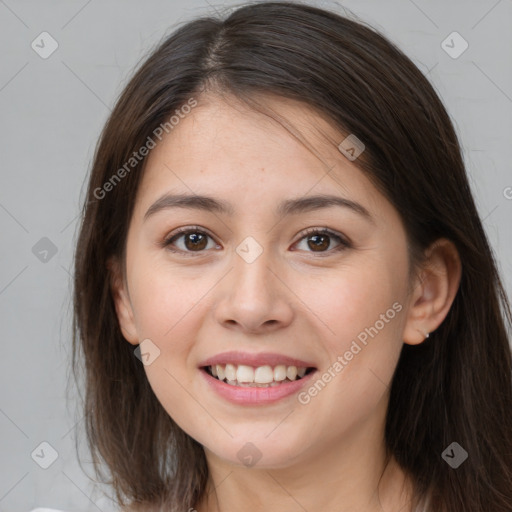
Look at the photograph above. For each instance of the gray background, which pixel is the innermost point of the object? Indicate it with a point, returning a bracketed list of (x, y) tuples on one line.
[(52, 111)]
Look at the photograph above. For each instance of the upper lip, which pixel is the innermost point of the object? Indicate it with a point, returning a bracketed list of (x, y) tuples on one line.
[(261, 359)]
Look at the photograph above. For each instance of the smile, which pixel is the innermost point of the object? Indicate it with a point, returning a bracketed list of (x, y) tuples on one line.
[(245, 378), (260, 376)]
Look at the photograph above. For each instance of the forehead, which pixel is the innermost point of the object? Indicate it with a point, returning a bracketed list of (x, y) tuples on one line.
[(224, 145)]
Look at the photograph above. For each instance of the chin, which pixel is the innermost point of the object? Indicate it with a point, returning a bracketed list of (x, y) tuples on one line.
[(259, 451)]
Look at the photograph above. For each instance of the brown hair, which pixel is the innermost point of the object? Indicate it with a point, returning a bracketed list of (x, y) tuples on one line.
[(455, 386)]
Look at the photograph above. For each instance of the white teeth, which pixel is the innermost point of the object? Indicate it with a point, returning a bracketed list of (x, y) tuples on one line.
[(280, 372), (264, 375), (230, 372), (291, 372), (244, 373), (261, 376)]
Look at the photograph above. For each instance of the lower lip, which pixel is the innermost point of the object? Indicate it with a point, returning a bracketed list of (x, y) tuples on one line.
[(253, 396)]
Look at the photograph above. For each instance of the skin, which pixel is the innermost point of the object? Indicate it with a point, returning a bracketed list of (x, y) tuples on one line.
[(329, 453)]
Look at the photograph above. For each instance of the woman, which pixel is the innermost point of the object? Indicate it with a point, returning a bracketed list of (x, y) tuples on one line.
[(284, 295)]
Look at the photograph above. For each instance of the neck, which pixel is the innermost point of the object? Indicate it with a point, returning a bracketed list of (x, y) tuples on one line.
[(349, 475)]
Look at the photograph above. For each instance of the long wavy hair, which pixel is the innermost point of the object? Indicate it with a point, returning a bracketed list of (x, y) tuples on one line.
[(455, 386)]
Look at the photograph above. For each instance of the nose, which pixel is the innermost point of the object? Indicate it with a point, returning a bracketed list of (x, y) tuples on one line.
[(253, 298)]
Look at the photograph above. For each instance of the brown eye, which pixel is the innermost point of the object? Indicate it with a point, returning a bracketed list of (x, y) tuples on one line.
[(192, 240), (195, 241), (320, 241)]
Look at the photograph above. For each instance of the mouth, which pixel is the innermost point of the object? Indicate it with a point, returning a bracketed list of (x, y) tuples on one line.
[(255, 379), (265, 376)]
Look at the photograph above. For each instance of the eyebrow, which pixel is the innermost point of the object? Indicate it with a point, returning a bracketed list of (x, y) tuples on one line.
[(287, 207)]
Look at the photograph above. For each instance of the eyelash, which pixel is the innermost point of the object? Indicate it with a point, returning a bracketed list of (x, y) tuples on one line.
[(343, 243)]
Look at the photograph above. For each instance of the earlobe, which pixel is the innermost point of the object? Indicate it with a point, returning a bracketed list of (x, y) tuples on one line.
[(434, 291), (122, 302)]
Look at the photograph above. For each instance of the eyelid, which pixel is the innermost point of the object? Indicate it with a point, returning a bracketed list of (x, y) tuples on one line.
[(327, 231)]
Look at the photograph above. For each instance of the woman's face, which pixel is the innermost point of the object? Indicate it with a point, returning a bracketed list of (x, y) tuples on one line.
[(257, 286)]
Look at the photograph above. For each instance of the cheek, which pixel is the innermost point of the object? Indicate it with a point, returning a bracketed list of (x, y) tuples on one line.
[(167, 313), (169, 384), (169, 306), (164, 300), (354, 300), (361, 312)]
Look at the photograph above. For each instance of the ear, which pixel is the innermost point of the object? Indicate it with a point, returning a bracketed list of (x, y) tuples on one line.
[(122, 302), (434, 290)]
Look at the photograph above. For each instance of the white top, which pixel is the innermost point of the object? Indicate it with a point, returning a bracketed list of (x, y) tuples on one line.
[(46, 510), (55, 510)]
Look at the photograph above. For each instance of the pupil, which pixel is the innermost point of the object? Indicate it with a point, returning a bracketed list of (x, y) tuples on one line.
[(321, 246), (195, 237)]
